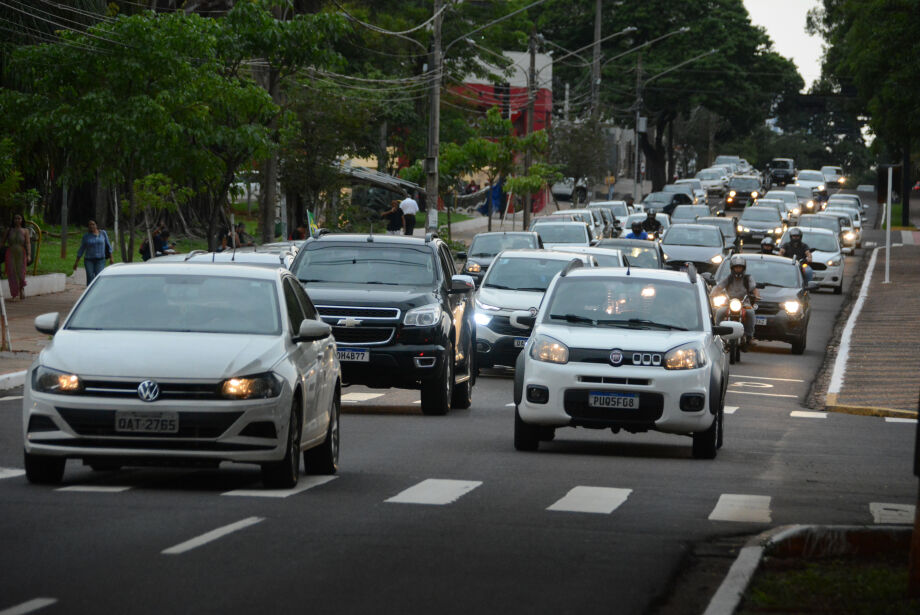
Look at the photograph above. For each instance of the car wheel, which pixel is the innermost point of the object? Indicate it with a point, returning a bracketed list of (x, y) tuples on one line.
[(284, 474), (706, 443), (798, 343), (44, 469), (838, 290), (438, 391), (324, 459), (462, 396), (526, 437)]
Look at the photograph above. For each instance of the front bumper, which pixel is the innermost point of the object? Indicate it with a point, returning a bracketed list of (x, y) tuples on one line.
[(778, 325), (402, 366), (499, 344), (830, 277)]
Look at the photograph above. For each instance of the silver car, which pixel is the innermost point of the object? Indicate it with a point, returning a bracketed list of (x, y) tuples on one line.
[(185, 364)]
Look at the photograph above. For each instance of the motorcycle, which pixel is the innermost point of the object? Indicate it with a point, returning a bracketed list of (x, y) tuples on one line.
[(736, 312)]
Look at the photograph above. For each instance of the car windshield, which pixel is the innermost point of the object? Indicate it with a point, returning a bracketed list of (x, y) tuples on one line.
[(726, 225), (562, 233), (761, 214), (810, 176), (490, 245), (769, 272), (832, 170), (781, 164), (709, 175), (845, 215), (688, 212), (788, 197), (631, 303), (693, 236), (180, 303), (818, 241), (822, 221), (661, 218), (370, 263), (678, 188), (511, 273), (744, 183), (693, 183), (638, 256), (658, 198), (803, 192), (842, 201)]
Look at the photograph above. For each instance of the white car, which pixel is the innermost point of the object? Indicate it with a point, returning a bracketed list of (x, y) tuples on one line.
[(699, 193), (562, 233), (833, 176), (633, 350), (814, 180), (605, 257), (825, 249), (714, 181), (185, 364), (855, 218), (790, 198), (849, 198), (516, 280)]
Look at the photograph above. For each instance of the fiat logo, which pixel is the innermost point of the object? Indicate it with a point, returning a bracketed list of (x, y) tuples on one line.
[(616, 356), (148, 390)]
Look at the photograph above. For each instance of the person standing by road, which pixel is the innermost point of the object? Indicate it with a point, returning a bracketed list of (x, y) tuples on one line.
[(95, 248), (18, 254), (409, 208), (394, 218)]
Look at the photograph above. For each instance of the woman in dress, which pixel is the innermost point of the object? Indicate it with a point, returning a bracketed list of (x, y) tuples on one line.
[(18, 254), (95, 247)]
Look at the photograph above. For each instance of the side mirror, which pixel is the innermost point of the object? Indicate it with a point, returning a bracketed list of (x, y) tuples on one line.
[(461, 284), (522, 319), (312, 330), (461, 256), (48, 323), (729, 330)]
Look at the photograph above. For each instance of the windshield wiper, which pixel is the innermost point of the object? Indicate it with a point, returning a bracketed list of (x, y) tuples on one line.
[(773, 284), (640, 322), (379, 282), (481, 255), (573, 318), (533, 288)]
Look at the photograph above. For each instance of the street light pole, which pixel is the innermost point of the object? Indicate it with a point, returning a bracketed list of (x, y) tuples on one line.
[(636, 192), (531, 94), (434, 125)]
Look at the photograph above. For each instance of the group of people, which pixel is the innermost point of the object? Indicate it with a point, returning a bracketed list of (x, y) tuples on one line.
[(401, 216), (640, 229)]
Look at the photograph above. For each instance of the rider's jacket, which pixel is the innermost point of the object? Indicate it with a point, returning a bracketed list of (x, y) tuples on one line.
[(737, 288), (793, 250)]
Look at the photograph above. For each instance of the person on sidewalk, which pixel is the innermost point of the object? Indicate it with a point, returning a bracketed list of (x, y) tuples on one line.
[(394, 218), (95, 248), (18, 254), (409, 208)]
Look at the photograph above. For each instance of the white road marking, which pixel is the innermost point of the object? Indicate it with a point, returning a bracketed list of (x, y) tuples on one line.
[(765, 378), (511, 405), (211, 536), (10, 473), (354, 397), (802, 414), (94, 488), (599, 500), (730, 409), (888, 419), (892, 513), (761, 394), (743, 508), (11, 398), (302, 485), (435, 491), (753, 385), (28, 607), (417, 401)]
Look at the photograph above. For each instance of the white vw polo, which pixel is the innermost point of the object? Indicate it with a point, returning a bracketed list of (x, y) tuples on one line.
[(633, 350)]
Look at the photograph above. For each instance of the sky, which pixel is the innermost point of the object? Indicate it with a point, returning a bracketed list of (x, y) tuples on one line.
[(784, 21)]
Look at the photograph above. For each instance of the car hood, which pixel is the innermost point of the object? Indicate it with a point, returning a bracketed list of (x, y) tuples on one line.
[(776, 294), (691, 253), (608, 338), (809, 183), (367, 295), (159, 354), (510, 299), (759, 225)]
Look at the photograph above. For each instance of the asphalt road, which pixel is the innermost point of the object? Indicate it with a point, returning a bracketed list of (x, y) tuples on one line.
[(440, 514)]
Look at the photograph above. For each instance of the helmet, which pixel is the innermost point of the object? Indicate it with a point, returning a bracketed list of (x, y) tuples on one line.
[(795, 234), (650, 213), (767, 245), (637, 227), (737, 261)]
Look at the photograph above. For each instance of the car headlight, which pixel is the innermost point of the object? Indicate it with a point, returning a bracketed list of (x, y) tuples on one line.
[(719, 300), (842, 180), (849, 235), (792, 307), (689, 356), (741, 229), (833, 262), (778, 230), (755, 194), (473, 267), (424, 316), (717, 259), (486, 306), (769, 231), (810, 204), (545, 348), (260, 386), (664, 256), (482, 318), (796, 211), (47, 380), (735, 305), (732, 193)]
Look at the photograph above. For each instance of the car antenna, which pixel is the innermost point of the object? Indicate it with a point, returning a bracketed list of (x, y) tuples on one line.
[(626, 260), (370, 235)]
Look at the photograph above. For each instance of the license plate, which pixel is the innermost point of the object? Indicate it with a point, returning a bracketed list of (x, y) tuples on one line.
[(626, 401), (757, 236), (760, 320), (147, 422), (519, 342), (361, 355)]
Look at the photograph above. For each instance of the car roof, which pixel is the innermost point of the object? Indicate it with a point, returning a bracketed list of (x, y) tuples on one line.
[(607, 203), (541, 254), (623, 241), (547, 220), (491, 233), (204, 269), (814, 229), (630, 272), (366, 238), (587, 250), (770, 258)]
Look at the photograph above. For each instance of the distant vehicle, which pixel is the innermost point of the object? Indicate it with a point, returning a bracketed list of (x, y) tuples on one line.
[(689, 213), (837, 224), (564, 233), (825, 248), (729, 228), (815, 181), (663, 219), (727, 159), (486, 246), (756, 223), (605, 257), (702, 245), (778, 204), (780, 171), (570, 190), (592, 218), (833, 176), (854, 221), (852, 198), (742, 190), (808, 202), (639, 253), (714, 181), (685, 188), (619, 208), (698, 191), (790, 198), (665, 202)]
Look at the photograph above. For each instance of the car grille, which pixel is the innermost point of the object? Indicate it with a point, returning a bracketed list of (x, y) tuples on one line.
[(191, 424), (630, 357), (575, 403), (502, 325), (609, 380), (363, 335), (345, 311), (767, 309), (168, 390)]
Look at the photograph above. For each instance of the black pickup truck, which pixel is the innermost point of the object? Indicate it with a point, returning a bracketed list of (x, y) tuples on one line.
[(400, 315)]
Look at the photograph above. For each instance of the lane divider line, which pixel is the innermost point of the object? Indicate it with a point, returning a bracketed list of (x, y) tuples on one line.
[(11, 473), (435, 492), (744, 376), (211, 536), (93, 489), (29, 607), (888, 419), (742, 508), (730, 409), (761, 394), (596, 500), (11, 398), (361, 396), (302, 485)]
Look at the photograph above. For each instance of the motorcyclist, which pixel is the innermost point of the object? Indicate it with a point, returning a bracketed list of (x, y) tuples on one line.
[(798, 250), (767, 246), (651, 223), (736, 285), (637, 232)]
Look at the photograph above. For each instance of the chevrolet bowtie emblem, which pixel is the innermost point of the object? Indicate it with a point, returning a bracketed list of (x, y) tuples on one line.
[(348, 322)]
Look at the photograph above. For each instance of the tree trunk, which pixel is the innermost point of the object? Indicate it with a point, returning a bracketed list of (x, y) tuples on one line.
[(268, 192), (654, 157), (132, 212), (671, 170), (101, 202)]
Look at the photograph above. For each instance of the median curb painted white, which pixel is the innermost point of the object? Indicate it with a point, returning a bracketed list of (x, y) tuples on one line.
[(39, 285), (12, 380)]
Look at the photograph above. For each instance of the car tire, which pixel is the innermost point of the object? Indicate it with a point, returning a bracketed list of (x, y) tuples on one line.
[(438, 391), (285, 473), (798, 343), (462, 396), (44, 469), (547, 434), (526, 437), (706, 443), (324, 459), (838, 290)]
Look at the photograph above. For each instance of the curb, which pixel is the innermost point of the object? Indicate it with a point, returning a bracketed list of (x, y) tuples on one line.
[(800, 541), (12, 380), (831, 405)]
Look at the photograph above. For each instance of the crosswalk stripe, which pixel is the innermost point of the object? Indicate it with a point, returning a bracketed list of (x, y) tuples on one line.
[(892, 419), (742, 508), (10, 473), (94, 488), (211, 536), (730, 409), (600, 500), (434, 491), (801, 414), (892, 513), (28, 607), (302, 485), (353, 397)]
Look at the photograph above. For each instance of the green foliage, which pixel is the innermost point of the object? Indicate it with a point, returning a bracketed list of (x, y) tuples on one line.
[(157, 192)]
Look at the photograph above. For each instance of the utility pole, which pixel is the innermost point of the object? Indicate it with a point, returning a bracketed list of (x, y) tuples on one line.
[(434, 124), (596, 64), (531, 94), (565, 107), (636, 191)]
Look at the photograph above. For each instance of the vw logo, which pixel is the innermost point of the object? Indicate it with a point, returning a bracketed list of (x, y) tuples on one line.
[(148, 390), (533, 312), (616, 356)]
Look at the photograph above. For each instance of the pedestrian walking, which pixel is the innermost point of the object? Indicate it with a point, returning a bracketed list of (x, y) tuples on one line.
[(394, 218), (18, 249), (95, 248), (409, 208)]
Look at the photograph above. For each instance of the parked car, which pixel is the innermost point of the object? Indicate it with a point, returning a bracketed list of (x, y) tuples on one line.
[(486, 246), (226, 363)]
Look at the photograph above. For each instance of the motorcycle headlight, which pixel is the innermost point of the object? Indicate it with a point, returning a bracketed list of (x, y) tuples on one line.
[(473, 267), (810, 204), (735, 305), (778, 230), (717, 259), (732, 193), (849, 235), (741, 229), (833, 262), (792, 307), (719, 300), (424, 316), (47, 380), (482, 318), (261, 386), (651, 235), (545, 348), (689, 356), (755, 194)]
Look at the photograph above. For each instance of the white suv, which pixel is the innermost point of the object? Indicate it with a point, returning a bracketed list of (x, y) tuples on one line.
[(633, 350)]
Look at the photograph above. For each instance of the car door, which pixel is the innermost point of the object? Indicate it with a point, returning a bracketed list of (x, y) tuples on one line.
[(458, 309), (306, 358), (328, 361)]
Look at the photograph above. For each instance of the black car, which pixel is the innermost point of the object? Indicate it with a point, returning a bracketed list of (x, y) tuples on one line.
[(729, 228), (780, 171), (486, 246), (756, 223), (742, 190), (400, 315), (700, 244), (665, 202), (784, 307), (640, 253)]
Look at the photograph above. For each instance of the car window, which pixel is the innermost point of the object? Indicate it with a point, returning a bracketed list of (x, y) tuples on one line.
[(761, 214), (693, 236), (562, 233), (811, 176), (294, 310), (447, 262), (511, 273), (802, 191), (781, 164), (744, 183), (309, 310), (829, 222), (490, 245), (366, 264)]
